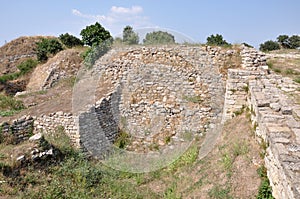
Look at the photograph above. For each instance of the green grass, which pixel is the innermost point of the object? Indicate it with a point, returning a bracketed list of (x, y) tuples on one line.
[(24, 68), (220, 192), (265, 190), (297, 80), (194, 99), (122, 140), (9, 105)]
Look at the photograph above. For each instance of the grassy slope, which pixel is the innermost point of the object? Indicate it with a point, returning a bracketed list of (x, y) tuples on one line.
[(229, 171)]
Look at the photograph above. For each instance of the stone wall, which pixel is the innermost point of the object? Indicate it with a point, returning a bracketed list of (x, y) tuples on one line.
[(275, 117), (164, 92), (18, 131), (50, 123)]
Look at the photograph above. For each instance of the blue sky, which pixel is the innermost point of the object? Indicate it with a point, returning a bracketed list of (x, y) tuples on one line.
[(250, 21)]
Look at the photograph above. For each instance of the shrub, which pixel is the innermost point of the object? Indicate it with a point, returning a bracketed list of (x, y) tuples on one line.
[(95, 34), (294, 41), (70, 40), (217, 40), (47, 47), (27, 66), (129, 36), (10, 103), (159, 37), (283, 41), (269, 46), (95, 52)]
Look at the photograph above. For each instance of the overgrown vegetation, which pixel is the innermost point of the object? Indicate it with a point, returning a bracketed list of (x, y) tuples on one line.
[(70, 40), (265, 190), (269, 46), (129, 36), (159, 37), (46, 48), (217, 40), (24, 68), (9, 105), (283, 41)]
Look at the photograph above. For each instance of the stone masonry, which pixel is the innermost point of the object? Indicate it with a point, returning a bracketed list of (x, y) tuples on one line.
[(155, 93), (275, 118)]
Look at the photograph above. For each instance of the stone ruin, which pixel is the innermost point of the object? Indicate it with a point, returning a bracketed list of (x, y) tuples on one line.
[(155, 93)]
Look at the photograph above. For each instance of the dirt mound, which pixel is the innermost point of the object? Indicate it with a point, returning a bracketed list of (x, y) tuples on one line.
[(63, 65), (16, 51)]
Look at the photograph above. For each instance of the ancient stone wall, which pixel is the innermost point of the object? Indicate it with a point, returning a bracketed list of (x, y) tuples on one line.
[(164, 91), (50, 123), (18, 131), (275, 117)]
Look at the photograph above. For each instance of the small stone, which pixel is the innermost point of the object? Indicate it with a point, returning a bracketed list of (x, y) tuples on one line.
[(35, 137), (286, 110), (275, 106), (21, 158)]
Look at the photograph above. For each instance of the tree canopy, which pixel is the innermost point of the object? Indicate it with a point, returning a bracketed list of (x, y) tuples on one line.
[(216, 40), (159, 37), (129, 36), (70, 40), (95, 35), (269, 46)]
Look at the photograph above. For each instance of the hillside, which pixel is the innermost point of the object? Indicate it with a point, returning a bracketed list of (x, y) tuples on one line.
[(16, 51)]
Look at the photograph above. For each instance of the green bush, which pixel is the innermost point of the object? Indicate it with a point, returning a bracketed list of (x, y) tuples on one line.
[(217, 40), (159, 37), (95, 52), (265, 190), (24, 68), (294, 41), (70, 40), (129, 36), (269, 46), (27, 66), (10, 103), (47, 47), (94, 35)]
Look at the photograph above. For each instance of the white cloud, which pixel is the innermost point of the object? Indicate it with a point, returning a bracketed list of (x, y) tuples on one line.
[(117, 18), (121, 10)]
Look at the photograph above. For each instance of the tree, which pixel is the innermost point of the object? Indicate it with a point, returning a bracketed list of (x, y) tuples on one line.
[(95, 35), (217, 40), (129, 36), (269, 46), (70, 40), (283, 40), (294, 41), (47, 47), (159, 37)]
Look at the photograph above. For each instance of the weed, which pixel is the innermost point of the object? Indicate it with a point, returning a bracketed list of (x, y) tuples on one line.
[(194, 99), (154, 147), (187, 158), (246, 88), (9, 103), (218, 192), (24, 68), (277, 70), (122, 140), (265, 190), (270, 64), (227, 161), (167, 139), (60, 140), (240, 148), (297, 80), (170, 192)]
